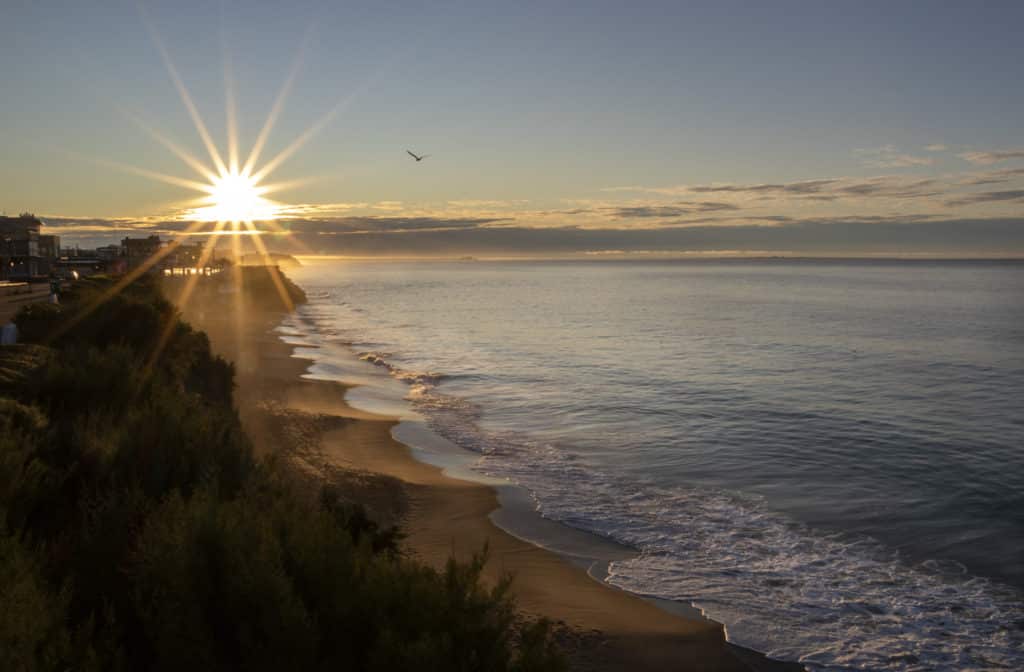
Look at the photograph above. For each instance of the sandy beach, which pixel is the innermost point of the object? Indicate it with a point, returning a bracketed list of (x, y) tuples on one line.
[(309, 422)]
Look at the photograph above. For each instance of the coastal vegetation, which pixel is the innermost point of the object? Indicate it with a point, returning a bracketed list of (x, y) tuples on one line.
[(139, 531)]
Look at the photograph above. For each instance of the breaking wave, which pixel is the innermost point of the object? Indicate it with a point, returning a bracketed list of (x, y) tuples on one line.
[(829, 601)]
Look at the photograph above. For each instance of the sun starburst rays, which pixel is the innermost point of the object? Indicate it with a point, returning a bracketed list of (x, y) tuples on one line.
[(190, 160), (230, 198), (183, 299), (235, 190), (275, 108), (235, 197), (230, 113)]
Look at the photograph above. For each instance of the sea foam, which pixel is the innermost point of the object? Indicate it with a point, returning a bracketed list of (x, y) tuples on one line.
[(831, 602), (835, 601)]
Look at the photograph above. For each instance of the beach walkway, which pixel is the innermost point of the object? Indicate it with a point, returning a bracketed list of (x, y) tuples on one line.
[(15, 295)]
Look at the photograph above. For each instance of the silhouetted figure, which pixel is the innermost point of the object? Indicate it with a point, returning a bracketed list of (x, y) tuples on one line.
[(418, 158), (9, 334)]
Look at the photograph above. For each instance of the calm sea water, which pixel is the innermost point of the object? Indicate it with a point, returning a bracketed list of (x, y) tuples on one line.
[(827, 456)]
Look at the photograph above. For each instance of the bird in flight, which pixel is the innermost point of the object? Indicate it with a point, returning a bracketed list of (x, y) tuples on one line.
[(418, 158)]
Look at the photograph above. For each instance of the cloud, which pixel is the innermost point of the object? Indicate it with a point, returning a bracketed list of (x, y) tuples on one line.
[(798, 188), (889, 156), (113, 229), (483, 203), (64, 224), (888, 187), (674, 210), (988, 197), (880, 235), (850, 205), (124, 226), (993, 177), (900, 233), (686, 253), (825, 189), (315, 209), (981, 180), (781, 188), (986, 158), (937, 147), (833, 188), (383, 225)]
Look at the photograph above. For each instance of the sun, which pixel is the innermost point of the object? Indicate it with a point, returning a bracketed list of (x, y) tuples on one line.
[(232, 192), (235, 196)]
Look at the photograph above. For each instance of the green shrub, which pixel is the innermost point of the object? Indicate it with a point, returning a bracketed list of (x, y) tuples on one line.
[(137, 531), (37, 320), (33, 633)]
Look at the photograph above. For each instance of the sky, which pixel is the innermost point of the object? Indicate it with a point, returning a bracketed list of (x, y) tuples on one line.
[(555, 128)]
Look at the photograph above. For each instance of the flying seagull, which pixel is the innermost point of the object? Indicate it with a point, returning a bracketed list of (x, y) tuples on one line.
[(418, 158)]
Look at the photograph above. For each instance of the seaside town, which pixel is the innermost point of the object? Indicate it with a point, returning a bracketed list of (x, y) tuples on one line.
[(28, 255), (512, 337), (33, 265)]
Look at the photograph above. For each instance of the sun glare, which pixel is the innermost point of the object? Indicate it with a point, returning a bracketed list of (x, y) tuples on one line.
[(232, 197), (233, 193), (235, 197)]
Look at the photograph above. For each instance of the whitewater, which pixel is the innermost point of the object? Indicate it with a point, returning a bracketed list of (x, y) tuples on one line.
[(825, 456)]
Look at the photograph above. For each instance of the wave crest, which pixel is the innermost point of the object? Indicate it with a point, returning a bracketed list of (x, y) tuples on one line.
[(830, 601)]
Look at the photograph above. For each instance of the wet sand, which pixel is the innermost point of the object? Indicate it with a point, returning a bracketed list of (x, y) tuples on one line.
[(309, 422)]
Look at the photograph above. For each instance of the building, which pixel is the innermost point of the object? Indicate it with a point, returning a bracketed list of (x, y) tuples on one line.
[(19, 247), (76, 262), (49, 246), (109, 252), (168, 257), (184, 256), (138, 250), (49, 253)]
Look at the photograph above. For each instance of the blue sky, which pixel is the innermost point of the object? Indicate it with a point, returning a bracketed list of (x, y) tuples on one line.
[(618, 117)]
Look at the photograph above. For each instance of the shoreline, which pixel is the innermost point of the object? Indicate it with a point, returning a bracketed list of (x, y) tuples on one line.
[(601, 627)]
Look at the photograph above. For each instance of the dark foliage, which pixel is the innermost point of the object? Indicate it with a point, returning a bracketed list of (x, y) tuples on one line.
[(137, 531)]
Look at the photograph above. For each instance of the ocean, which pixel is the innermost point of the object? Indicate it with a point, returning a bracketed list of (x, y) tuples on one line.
[(827, 456)]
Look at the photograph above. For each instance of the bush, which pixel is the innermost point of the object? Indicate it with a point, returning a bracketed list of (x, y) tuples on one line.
[(33, 635), (37, 320), (137, 530)]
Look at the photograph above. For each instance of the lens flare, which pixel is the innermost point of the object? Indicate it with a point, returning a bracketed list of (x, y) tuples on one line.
[(235, 197), (233, 191)]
